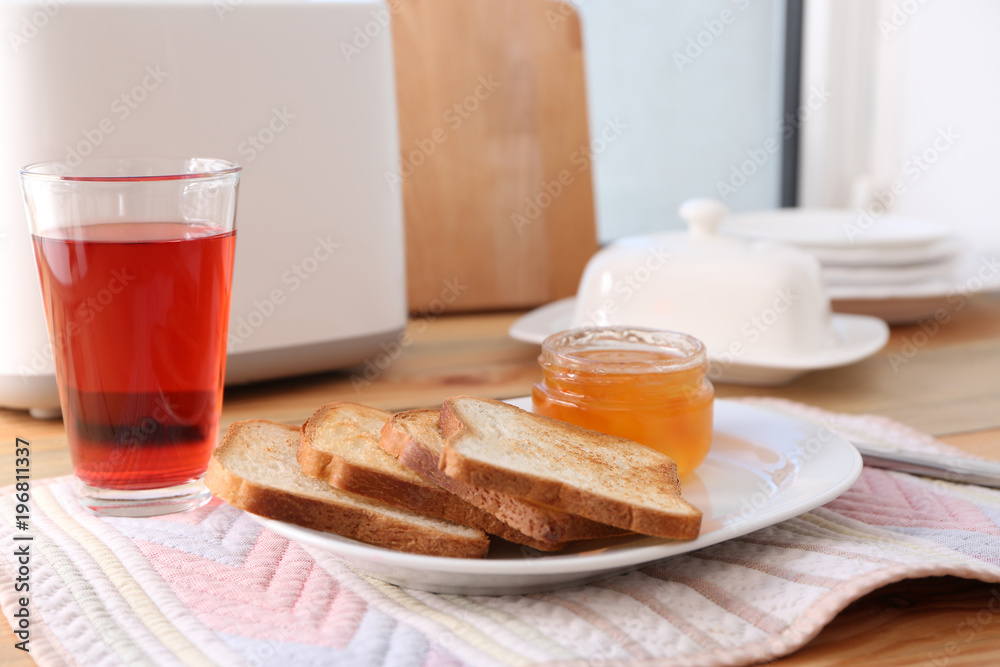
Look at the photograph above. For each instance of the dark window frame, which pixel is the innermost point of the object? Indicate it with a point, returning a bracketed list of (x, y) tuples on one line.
[(791, 99)]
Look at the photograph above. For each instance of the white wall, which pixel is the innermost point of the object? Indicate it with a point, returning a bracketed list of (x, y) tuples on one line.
[(922, 115), (687, 123), (950, 87)]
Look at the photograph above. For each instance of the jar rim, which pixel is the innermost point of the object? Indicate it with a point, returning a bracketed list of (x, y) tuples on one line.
[(563, 348)]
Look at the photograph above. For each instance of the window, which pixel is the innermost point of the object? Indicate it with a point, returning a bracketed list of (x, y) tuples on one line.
[(697, 90)]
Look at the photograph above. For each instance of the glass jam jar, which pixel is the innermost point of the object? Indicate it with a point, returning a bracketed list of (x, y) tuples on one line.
[(646, 385)]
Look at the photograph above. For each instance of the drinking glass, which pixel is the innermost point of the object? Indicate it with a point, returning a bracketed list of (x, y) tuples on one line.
[(135, 260)]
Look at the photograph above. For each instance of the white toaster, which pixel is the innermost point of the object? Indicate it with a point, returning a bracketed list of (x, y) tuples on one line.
[(300, 93)]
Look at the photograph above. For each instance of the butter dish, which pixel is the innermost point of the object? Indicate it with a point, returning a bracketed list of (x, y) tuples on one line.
[(760, 307)]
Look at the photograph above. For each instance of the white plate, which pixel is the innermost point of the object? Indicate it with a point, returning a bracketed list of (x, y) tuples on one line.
[(856, 337), (763, 468), (834, 228), (935, 251), (976, 273), (908, 274)]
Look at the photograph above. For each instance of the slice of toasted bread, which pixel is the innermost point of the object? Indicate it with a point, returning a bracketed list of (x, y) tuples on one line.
[(340, 445), (255, 470), (414, 438), (605, 478)]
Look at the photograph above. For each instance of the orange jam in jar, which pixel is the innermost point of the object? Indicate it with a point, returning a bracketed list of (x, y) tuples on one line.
[(642, 384)]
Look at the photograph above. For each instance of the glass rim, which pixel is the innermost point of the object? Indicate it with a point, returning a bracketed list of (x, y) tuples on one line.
[(57, 171), (558, 348)]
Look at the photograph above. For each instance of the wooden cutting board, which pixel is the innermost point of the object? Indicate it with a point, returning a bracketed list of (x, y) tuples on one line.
[(495, 169)]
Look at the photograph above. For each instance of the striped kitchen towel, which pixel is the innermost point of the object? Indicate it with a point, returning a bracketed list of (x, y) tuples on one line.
[(213, 587)]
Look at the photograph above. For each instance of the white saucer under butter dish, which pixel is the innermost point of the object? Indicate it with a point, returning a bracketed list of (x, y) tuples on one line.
[(856, 337)]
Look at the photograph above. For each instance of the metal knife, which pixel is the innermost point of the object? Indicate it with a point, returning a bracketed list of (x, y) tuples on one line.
[(939, 466)]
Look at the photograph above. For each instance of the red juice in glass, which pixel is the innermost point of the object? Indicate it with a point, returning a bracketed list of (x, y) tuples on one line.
[(138, 314)]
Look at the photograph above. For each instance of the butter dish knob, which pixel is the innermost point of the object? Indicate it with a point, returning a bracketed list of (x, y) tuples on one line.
[(703, 215)]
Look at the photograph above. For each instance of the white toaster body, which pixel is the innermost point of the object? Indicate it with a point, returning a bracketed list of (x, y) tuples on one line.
[(289, 91)]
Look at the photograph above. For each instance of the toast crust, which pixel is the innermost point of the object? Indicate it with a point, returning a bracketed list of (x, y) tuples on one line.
[(680, 522), (396, 484), (411, 453), (546, 524), (325, 464), (360, 520)]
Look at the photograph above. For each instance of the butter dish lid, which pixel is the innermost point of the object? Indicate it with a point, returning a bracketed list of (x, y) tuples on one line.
[(756, 301), (702, 241)]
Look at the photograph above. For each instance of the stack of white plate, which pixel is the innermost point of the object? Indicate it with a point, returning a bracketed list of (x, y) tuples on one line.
[(897, 268)]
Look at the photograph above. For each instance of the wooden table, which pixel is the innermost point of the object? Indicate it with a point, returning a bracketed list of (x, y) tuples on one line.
[(946, 383)]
